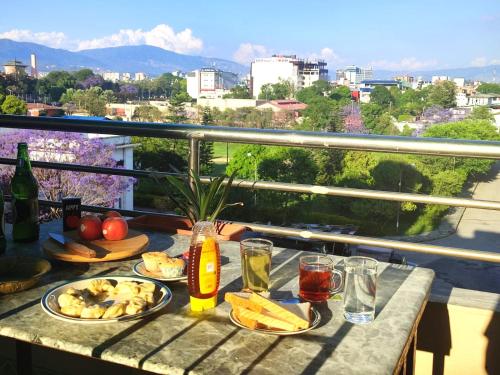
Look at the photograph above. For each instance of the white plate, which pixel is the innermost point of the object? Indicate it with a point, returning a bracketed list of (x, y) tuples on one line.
[(51, 307), (140, 269), (316, 319)]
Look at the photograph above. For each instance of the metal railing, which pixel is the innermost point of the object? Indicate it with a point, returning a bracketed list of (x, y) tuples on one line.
[(194, 134)]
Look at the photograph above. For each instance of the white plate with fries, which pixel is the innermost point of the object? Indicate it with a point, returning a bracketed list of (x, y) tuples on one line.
[(107, 299)]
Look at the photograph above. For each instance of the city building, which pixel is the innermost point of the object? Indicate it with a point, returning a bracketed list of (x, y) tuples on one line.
[(436, 79), (489, 100), (111, 76), (34, 66), (210, 83), (42, 109), (301, 73), (352, 75), (460, 82), (14, 67), (140, 76)]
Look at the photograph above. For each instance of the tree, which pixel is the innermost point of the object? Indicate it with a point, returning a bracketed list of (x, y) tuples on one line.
[(176, 109), (147, 113), (206, 148), (238, 92), (489, 88), (52, 146), (482, 113), (443, 94), (13, 106), (353, 122), (370, 113), (323, 114), (276, 91), (82, 74), (381, 96), (318, 88), (341, 94)]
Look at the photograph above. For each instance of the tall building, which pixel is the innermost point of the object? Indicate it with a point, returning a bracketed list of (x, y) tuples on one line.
[(34, 66), (353, 74), (210, 83), (111, 76), (15, 67), (301, 73), (140, 76)]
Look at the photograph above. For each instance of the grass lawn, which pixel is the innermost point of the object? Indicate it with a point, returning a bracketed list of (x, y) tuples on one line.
[(223, 151)]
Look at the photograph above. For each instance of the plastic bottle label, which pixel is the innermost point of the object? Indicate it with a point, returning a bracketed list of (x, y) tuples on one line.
[(208, 259)]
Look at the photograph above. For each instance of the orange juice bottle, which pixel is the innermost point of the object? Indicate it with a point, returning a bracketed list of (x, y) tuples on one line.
[(203, 267)]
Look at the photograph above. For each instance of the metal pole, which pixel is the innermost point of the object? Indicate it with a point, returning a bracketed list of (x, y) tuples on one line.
[(194, 158)]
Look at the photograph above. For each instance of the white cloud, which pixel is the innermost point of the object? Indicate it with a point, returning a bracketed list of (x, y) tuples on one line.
[(50, 39), (328, 55), (162, 36), (406, 63), (248, 52), (483, 61)]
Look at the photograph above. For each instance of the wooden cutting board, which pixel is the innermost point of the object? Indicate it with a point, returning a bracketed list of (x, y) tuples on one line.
[(135, 243)]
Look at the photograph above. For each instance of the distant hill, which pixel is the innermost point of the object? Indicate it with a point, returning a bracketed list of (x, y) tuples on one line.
[(148, 59), (488, 73)]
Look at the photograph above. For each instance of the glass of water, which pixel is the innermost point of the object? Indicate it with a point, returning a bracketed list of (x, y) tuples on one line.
[(360, 289)]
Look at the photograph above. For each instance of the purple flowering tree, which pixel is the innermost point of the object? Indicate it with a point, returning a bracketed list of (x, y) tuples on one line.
[(353, 122), (51, 146), (91, 81), (436, 115), (128, 91)]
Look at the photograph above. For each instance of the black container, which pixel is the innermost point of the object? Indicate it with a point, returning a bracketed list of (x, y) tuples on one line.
[(72, 211)]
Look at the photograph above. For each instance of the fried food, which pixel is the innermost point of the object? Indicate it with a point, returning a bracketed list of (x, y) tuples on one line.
[(135, 305), (72, 310), (65, 300), (92, 312), (114, 311)]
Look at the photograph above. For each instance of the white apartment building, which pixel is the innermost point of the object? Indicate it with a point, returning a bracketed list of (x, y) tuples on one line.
[(139, 76), (111, 76), (210, 83), (353, 75), (301, 73)]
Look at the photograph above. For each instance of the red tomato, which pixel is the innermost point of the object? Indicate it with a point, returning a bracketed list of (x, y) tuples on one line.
[(90, 228), (115, 228), (112, 214)]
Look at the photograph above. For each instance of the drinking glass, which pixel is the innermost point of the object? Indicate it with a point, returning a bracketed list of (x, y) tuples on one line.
[(316, 278), (255, 264), (360, 289)]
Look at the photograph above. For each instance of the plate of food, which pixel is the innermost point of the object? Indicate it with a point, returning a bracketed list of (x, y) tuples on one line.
[(160, 266), (110, 299), (255, 312)]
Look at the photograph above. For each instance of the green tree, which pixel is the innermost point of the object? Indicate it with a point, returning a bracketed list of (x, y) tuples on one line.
[(322, 114), (207, 148), (341, 94), (276, 91), (2, 98), (238, 92), (482, 113), (177, 107), (13, 106), (370, 113), (83, 74), (381, 96), (147, 113), (489, 88), (443, 94)]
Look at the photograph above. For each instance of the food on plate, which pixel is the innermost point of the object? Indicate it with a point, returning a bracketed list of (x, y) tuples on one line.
[(128, 289), (126, 297), (92, 312), (90, 228), (255, 311), (135, 305), (172, 267), (69, 300), (160, 263), (152, 260), (114, 311), (115, 228), (99, 286), (72, 310)]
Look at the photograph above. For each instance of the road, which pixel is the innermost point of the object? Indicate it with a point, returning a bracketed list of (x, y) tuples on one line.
[(478, 230)]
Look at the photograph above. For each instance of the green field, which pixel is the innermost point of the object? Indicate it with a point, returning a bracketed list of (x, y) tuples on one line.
[(222, 153)]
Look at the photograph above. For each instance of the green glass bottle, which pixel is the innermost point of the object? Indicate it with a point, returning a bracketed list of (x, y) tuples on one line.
[(2, 224), (24, 188)]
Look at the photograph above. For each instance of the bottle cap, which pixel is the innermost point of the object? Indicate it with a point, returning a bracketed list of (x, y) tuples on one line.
[(201, 304)]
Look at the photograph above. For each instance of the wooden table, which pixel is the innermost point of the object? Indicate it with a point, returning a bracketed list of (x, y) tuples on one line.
[(177, 341)]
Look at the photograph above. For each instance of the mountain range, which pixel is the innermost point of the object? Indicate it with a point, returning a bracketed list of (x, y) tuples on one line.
[(155, 61), (148, 59)]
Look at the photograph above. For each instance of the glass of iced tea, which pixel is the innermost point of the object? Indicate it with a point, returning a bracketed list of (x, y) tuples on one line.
[(317, 278), (255, 264)]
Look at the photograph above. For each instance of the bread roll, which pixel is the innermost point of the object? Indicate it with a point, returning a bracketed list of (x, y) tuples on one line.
[(69, 300), (152, 260), (128, 289), (135, 305), (92, 312), (72, 310), (114, 311)]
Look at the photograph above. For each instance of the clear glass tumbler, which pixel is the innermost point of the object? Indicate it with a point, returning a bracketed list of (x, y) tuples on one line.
[(360, 289), (255, 264)]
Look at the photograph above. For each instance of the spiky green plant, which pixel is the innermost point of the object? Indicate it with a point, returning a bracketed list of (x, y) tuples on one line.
[(201, 201)]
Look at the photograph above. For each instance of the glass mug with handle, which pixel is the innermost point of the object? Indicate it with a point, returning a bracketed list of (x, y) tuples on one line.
[(317, 278)]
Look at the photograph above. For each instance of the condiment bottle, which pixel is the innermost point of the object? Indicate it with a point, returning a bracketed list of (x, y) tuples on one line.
[(203, 267), (24, 188)]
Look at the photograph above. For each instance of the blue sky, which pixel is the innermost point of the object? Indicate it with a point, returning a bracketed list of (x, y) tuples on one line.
[(397, 34)]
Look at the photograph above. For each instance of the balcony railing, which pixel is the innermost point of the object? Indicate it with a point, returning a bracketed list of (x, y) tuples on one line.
[(194, 134)]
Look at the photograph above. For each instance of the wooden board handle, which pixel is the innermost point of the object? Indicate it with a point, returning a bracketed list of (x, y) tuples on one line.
[(79, 249)]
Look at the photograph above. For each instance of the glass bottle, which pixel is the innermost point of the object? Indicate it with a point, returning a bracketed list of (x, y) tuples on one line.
[(24, 188), (203, 267)]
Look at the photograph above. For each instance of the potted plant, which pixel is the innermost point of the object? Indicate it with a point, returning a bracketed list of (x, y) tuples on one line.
[(198, 202)]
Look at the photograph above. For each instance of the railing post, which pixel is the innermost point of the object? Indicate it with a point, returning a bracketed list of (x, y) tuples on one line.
[(194, 157)]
